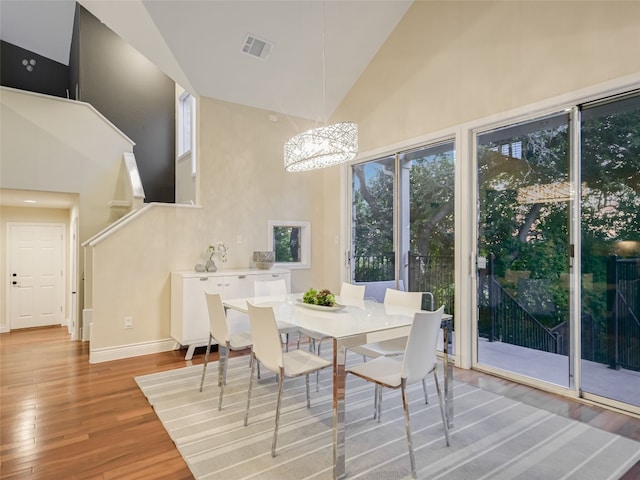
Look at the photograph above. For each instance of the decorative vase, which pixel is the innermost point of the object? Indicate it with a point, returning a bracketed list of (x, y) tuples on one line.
[(264, 260), (200, 268), (211, 266)]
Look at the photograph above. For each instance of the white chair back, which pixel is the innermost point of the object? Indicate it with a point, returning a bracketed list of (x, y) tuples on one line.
[(217, 318), (398, 298), (270, 288), (266, 341), (421, 354), (350, 291)]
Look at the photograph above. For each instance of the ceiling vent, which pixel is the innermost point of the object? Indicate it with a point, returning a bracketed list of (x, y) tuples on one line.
[(257, 47)]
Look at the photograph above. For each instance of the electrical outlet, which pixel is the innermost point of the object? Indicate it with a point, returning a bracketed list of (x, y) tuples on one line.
[(128, 322)]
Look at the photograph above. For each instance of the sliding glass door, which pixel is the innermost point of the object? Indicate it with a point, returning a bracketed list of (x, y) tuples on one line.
[(558, 284), (402, 223), (524, 248), (610, 259)]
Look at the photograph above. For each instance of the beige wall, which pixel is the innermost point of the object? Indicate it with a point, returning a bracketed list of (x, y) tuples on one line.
[(242, 186), (450, 62)]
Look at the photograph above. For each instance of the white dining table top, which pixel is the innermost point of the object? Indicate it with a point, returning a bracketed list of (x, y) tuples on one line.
[(356, 318)]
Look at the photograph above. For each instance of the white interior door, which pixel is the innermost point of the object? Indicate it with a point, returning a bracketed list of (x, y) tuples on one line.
[(36, 296)]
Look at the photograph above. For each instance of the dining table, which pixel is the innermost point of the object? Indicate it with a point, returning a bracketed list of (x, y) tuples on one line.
[(347, 324)]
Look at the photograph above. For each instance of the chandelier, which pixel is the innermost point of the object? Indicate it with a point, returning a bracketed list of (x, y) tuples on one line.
[(322, 146)]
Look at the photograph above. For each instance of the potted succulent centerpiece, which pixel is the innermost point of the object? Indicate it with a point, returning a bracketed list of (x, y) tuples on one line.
[(323, 298)]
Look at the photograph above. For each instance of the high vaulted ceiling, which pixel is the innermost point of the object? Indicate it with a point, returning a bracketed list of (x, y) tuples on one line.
[(319, 48)]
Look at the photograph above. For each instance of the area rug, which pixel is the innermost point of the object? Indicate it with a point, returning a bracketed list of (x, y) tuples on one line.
[(493, 437)]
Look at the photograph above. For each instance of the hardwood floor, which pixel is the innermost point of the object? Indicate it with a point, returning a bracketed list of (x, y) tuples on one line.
[(63, 418)]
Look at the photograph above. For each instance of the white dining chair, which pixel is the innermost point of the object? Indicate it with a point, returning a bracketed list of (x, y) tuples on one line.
[(270, 288), (276, 288), (267, 350), (350, 292), (393, 346), (219, 331), (420, 359)]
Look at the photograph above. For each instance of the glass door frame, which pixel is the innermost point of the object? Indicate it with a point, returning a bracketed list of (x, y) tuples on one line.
[(574, 239)]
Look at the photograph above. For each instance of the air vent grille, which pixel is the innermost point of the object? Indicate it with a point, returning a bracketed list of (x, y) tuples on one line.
[(256, 47)]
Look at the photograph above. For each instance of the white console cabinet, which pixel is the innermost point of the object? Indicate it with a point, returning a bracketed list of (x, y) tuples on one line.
[(189, 315)]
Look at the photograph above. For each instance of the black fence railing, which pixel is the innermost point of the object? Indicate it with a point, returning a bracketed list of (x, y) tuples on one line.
[(623, 305), (374, 268), (433, 274), (613, 341), (502, 318)]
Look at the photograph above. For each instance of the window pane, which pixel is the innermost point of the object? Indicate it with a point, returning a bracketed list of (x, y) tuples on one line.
[(373, 256), (430, 243), (286, 241)]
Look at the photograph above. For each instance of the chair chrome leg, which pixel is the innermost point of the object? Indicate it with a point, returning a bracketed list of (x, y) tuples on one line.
[(407, 425), (246, 413), (306, 381), (442, 413), (375, 401), (222, 371), (424, 388), (206, 360), (275, 430), (318, 372)]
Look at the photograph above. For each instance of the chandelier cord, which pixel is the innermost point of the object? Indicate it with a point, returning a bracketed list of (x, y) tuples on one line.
[(324, 67), (323, 146)]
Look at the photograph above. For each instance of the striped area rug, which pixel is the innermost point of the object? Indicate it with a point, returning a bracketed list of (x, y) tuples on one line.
[(494, 437)]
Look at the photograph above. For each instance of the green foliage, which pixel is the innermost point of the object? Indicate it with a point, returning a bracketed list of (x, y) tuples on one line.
[(323, 297), (286, 244)]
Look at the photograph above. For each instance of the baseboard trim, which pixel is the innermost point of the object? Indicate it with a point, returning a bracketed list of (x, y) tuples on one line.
[(107, 354), (4, 328)]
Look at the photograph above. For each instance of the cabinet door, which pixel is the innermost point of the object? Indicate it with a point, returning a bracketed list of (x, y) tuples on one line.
[(238, 286), (196, 314)]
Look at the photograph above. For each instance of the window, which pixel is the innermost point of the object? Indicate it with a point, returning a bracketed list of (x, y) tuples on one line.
[(290, 240), (402, 221), (184, 124)]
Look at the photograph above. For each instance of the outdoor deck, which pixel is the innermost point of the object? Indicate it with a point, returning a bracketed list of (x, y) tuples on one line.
[(621, 385)]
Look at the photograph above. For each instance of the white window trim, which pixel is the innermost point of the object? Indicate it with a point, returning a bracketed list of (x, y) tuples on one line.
[(305, 242), (182, 100)]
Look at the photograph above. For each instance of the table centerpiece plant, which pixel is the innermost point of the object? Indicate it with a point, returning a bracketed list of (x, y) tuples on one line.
[(323, 297)]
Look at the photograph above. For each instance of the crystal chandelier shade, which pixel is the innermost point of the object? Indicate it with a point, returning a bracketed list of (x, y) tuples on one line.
[(321, 147)]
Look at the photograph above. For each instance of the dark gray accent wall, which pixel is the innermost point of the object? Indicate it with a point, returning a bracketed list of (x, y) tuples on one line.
[(74, 57), (45, 76), (134, 95)]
